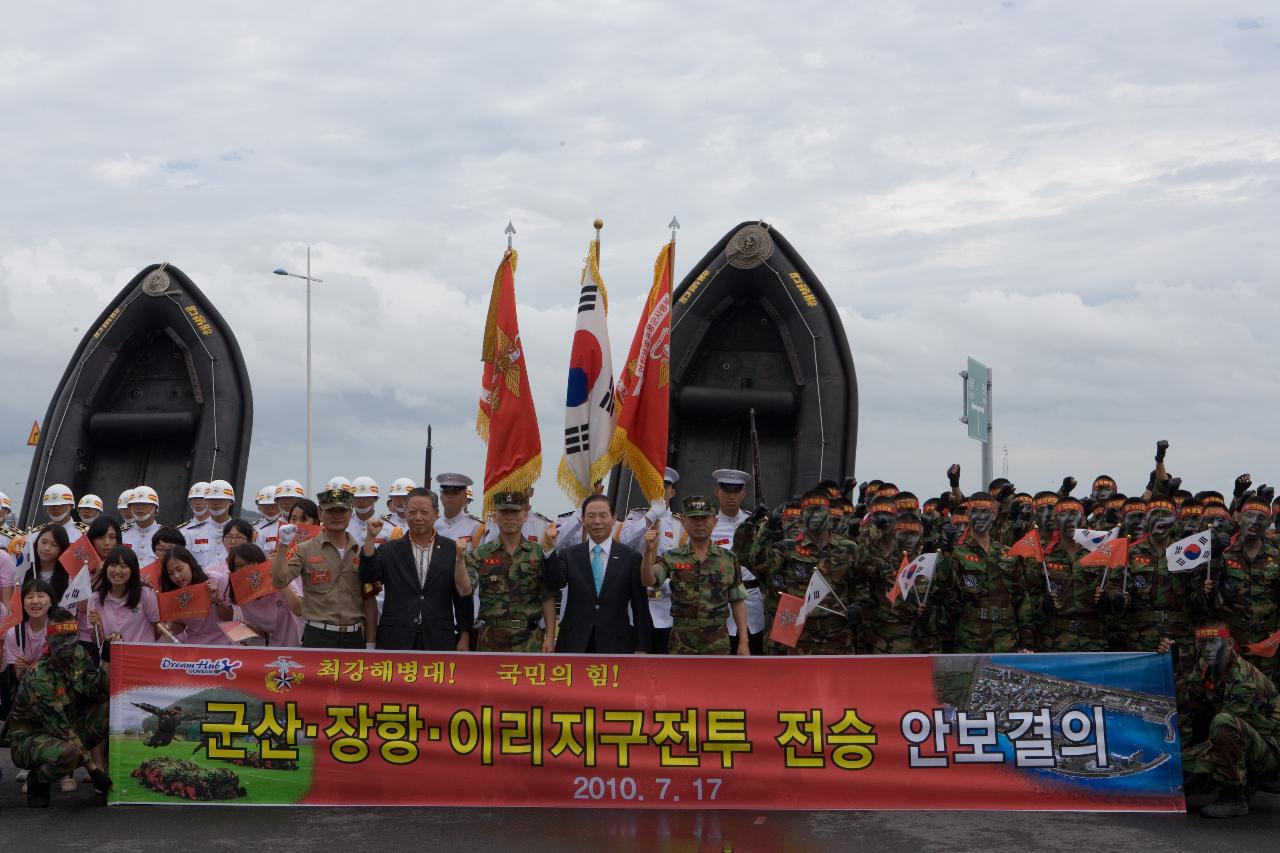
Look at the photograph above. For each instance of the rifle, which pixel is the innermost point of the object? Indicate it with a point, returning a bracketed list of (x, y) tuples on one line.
[(427, 482), (755, 458)]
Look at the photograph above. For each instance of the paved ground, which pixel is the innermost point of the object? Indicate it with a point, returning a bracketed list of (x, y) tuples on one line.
[(77, 823)]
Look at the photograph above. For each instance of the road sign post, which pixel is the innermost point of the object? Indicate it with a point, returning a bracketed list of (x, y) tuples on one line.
[(977, 412)]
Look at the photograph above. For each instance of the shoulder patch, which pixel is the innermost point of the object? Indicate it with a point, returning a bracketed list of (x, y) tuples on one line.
[(568, 514)]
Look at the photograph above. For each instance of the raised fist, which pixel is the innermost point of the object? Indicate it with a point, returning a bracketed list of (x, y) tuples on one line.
[(1068, 484), (286, 534), (372, 528), (549, 538), (650, 537), (953, 476), (1243, 482)]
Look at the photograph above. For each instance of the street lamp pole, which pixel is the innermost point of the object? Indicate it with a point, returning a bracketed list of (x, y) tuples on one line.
[(309, 279)]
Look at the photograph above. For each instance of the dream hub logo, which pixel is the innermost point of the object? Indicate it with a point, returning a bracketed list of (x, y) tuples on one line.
[(204, 667)]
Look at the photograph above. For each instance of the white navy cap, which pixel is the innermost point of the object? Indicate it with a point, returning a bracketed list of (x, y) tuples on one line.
[(455, 481), (731, 477), (670, 475)]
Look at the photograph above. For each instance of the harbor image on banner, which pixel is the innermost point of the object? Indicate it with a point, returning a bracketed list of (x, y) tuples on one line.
[(1190, 553)]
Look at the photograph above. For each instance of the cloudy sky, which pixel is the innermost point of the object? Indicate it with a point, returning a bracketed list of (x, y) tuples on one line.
[(1082, 195)]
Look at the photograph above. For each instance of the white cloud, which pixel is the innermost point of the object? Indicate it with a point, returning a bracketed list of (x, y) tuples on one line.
[(124, 171)]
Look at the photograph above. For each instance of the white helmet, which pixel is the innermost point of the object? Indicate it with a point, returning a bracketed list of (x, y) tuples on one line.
[(339, 483), (58, 495), (198, 491), (221, 490), (266, 495), (90, 502), (365, 487), (126, 496), (290, 489), (144, 495), (5, 503), (401, 487)]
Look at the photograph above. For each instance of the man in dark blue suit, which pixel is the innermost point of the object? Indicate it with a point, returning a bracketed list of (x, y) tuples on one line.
[(424, 607), (604, 583)]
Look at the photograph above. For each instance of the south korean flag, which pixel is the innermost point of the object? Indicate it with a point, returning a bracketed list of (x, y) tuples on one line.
[(1189, 554)]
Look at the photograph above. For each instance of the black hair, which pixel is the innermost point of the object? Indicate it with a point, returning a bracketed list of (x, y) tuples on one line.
[(420, 492), (171, 535), (37, 585), (99, 527), (133, 586), (592, 498), (308, 508), (251, 555), (239, 524), (181, 554)]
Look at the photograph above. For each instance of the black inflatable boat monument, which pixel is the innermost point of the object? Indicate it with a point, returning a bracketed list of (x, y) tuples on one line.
[(753, 328), (156, 394)]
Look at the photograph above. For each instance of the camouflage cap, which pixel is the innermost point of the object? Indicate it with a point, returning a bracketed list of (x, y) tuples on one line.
[(700, 507), (509, 500), (335, 497)]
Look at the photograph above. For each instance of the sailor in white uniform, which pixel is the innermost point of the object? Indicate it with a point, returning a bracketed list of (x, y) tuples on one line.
[(204, 536), (365, 502), (671, 534), (58, 502), (731, 489), (267, 530), (398, 502), (144, 505), (89, 507), (288, 493)]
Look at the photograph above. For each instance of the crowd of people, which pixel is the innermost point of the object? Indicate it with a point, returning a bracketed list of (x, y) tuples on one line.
[(1014, 572)]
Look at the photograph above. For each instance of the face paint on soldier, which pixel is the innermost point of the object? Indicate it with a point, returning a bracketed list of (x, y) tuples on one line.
[(1160, 525), (981, 519), (63, 640), (815, 517), (1133, 524), (1068, 522), (1214, 656), (1253, 523), (907, 537)]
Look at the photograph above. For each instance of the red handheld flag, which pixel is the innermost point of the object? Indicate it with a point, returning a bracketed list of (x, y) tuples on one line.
[(1028, 546), (786, 621), (643, 397), (895, 591), (506, 419), (80, 554), (180, 605), (150, 574), (1265, 648), (252, 583), (1112, 555)]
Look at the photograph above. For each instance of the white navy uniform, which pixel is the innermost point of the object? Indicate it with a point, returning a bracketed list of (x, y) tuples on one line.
[(204, 541), (461, 525), (535, 527), (138, 540), (722, 535), (268, 531), (390, 530), (671, 534)]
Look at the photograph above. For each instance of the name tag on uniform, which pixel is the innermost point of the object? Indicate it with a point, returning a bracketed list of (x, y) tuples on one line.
[(321, 576), (722, 542), (202, 542), (316, 559), (129, 545)]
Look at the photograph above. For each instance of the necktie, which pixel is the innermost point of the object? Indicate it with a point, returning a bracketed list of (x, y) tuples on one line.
[(597, 566)]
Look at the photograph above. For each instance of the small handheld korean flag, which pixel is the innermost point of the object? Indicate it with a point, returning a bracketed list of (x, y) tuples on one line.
[(1190, 553), (921, 567), (1091, 539), (78, 590), (813, 596)]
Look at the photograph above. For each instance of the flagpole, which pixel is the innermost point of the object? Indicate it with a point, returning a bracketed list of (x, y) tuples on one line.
[(674, 225)]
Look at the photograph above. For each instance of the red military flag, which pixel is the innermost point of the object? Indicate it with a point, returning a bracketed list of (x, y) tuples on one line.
[(506, 419), (1265, 648), (150, 574), (1112, 554), (252, 583), (80, 555), (644, 393), (1027, 546), (189, 602), (787, 624)]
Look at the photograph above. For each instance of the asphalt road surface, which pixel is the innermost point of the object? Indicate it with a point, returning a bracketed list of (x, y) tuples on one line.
[(76, 822)]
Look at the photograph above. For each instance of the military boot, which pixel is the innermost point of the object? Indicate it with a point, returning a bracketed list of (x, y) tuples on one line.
[(38, 793), (1231, 802)]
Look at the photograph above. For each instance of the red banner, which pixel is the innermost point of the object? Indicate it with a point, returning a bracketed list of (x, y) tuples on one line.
[(328, 727)]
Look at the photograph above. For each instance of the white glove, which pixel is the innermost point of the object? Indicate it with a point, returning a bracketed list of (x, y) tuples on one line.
[(287, 533), (655, 511)]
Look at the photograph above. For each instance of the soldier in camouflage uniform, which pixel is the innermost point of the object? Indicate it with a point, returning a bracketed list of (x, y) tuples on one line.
[(982, 597), (1230, 721), (59, 717), (1162, 606), (1133, 518), (788, 566), (1248, 585), (1073, 620), (509, 576), (896, 627), (1019, 519), (1190, 516), (706, 585)]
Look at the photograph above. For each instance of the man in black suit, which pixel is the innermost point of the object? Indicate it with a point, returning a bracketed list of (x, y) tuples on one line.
[(603, 577), (422, 608)]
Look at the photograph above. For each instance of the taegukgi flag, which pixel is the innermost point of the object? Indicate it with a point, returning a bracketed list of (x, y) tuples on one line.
[(921, 567), (1091, 539), (817, 590), (1190, 553), (589, 398)]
